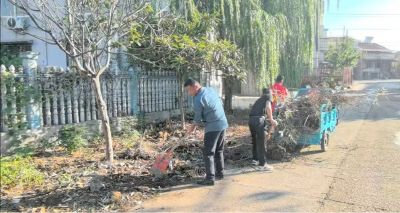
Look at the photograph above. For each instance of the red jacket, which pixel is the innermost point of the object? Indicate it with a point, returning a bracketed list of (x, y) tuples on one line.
[(279, 93)]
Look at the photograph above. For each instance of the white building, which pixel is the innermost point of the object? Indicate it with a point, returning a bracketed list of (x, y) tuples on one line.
[(376, 62), (49, 54)]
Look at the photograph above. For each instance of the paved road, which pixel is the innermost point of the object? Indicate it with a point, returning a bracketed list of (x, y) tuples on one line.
[(360, 172)]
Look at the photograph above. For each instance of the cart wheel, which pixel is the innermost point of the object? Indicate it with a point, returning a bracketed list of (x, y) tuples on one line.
[(299, 147), (325, 142)]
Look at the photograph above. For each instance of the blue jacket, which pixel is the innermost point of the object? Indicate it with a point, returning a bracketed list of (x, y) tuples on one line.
[(208, 110)]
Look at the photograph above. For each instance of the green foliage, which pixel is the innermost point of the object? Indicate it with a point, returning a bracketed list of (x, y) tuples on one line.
[(24, 151), (18, 170), (229, 59), (64, 178), (73, 137), (181, 47), (22, 96), (8, 57), (276, 35), (342, 55), (96, 140), (141, 122), (128, 132), (10, 60), (185, 46), (48, 143)]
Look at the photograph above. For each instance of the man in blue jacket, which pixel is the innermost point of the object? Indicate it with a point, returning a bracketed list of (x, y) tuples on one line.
[(208, 110)]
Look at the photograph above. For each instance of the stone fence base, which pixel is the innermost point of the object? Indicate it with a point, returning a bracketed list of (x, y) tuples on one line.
[(94, 127)]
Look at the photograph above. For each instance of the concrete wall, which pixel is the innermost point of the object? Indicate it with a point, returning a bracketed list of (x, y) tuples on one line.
[(244, 102), (94, 127), (250, 88), (49, 54), (213, 80), (47, 132)]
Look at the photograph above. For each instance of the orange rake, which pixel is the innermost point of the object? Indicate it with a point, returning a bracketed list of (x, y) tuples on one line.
[(162, 162)]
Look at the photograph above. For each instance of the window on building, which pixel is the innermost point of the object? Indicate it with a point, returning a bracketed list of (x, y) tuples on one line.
[(369, 64), (378, 65), (10, 52), (8, 9)]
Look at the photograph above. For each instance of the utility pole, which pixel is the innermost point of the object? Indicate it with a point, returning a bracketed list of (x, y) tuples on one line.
[(344, 31)]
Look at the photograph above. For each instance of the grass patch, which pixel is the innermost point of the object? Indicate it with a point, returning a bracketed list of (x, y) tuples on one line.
[(19, 171), (73, 138)]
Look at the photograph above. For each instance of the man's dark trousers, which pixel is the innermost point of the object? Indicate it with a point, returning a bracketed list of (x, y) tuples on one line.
[(258, 136), (214, 149)]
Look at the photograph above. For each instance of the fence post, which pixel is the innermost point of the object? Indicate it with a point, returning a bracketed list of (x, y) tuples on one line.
[(4, 117), (75, 97), (128, 94), (29, 62), (13, 96), (81, 100), (22, 107), (134, 87), (46, 87)]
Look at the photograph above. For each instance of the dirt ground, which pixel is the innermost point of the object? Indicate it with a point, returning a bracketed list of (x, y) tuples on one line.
[(83, 181), (362, 153), (360, 172)]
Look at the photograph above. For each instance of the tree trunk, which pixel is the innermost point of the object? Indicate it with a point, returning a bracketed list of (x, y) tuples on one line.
[(228, 95), (181, 91), (103, 115)]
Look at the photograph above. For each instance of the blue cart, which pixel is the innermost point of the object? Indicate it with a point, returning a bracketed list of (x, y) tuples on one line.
[(327, 126), (328, 122)]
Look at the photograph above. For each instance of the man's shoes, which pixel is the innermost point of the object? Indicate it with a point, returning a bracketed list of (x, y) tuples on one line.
[(254, 162), (266, 168), (219, 177), (206, 182)]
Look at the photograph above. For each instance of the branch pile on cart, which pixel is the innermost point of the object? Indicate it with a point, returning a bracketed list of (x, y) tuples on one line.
[(302, 116)]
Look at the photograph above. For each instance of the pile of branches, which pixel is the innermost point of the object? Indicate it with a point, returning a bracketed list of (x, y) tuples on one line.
[(303, 116), (189, 162), (187, 158)]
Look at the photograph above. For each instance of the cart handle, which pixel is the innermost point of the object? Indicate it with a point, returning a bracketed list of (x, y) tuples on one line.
[(322, 120), (323, 107)]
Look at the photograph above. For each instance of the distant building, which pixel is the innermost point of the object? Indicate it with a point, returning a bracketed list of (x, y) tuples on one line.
[(16, 43), (324, 43), (376, 62), (397, 65)]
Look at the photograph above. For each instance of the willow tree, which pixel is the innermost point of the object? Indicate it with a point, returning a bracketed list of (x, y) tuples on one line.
[(277, 36), (86, 31)]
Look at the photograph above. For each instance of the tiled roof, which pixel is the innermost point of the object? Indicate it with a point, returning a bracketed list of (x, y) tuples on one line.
[(372, 46)]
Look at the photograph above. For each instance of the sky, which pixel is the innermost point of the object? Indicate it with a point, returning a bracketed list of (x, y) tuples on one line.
[(377, 18)]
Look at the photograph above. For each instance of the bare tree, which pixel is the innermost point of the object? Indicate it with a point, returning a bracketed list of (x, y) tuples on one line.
[(87, 31)]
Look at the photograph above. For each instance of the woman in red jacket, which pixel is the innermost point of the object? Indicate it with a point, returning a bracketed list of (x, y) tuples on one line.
[(279, 92)]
